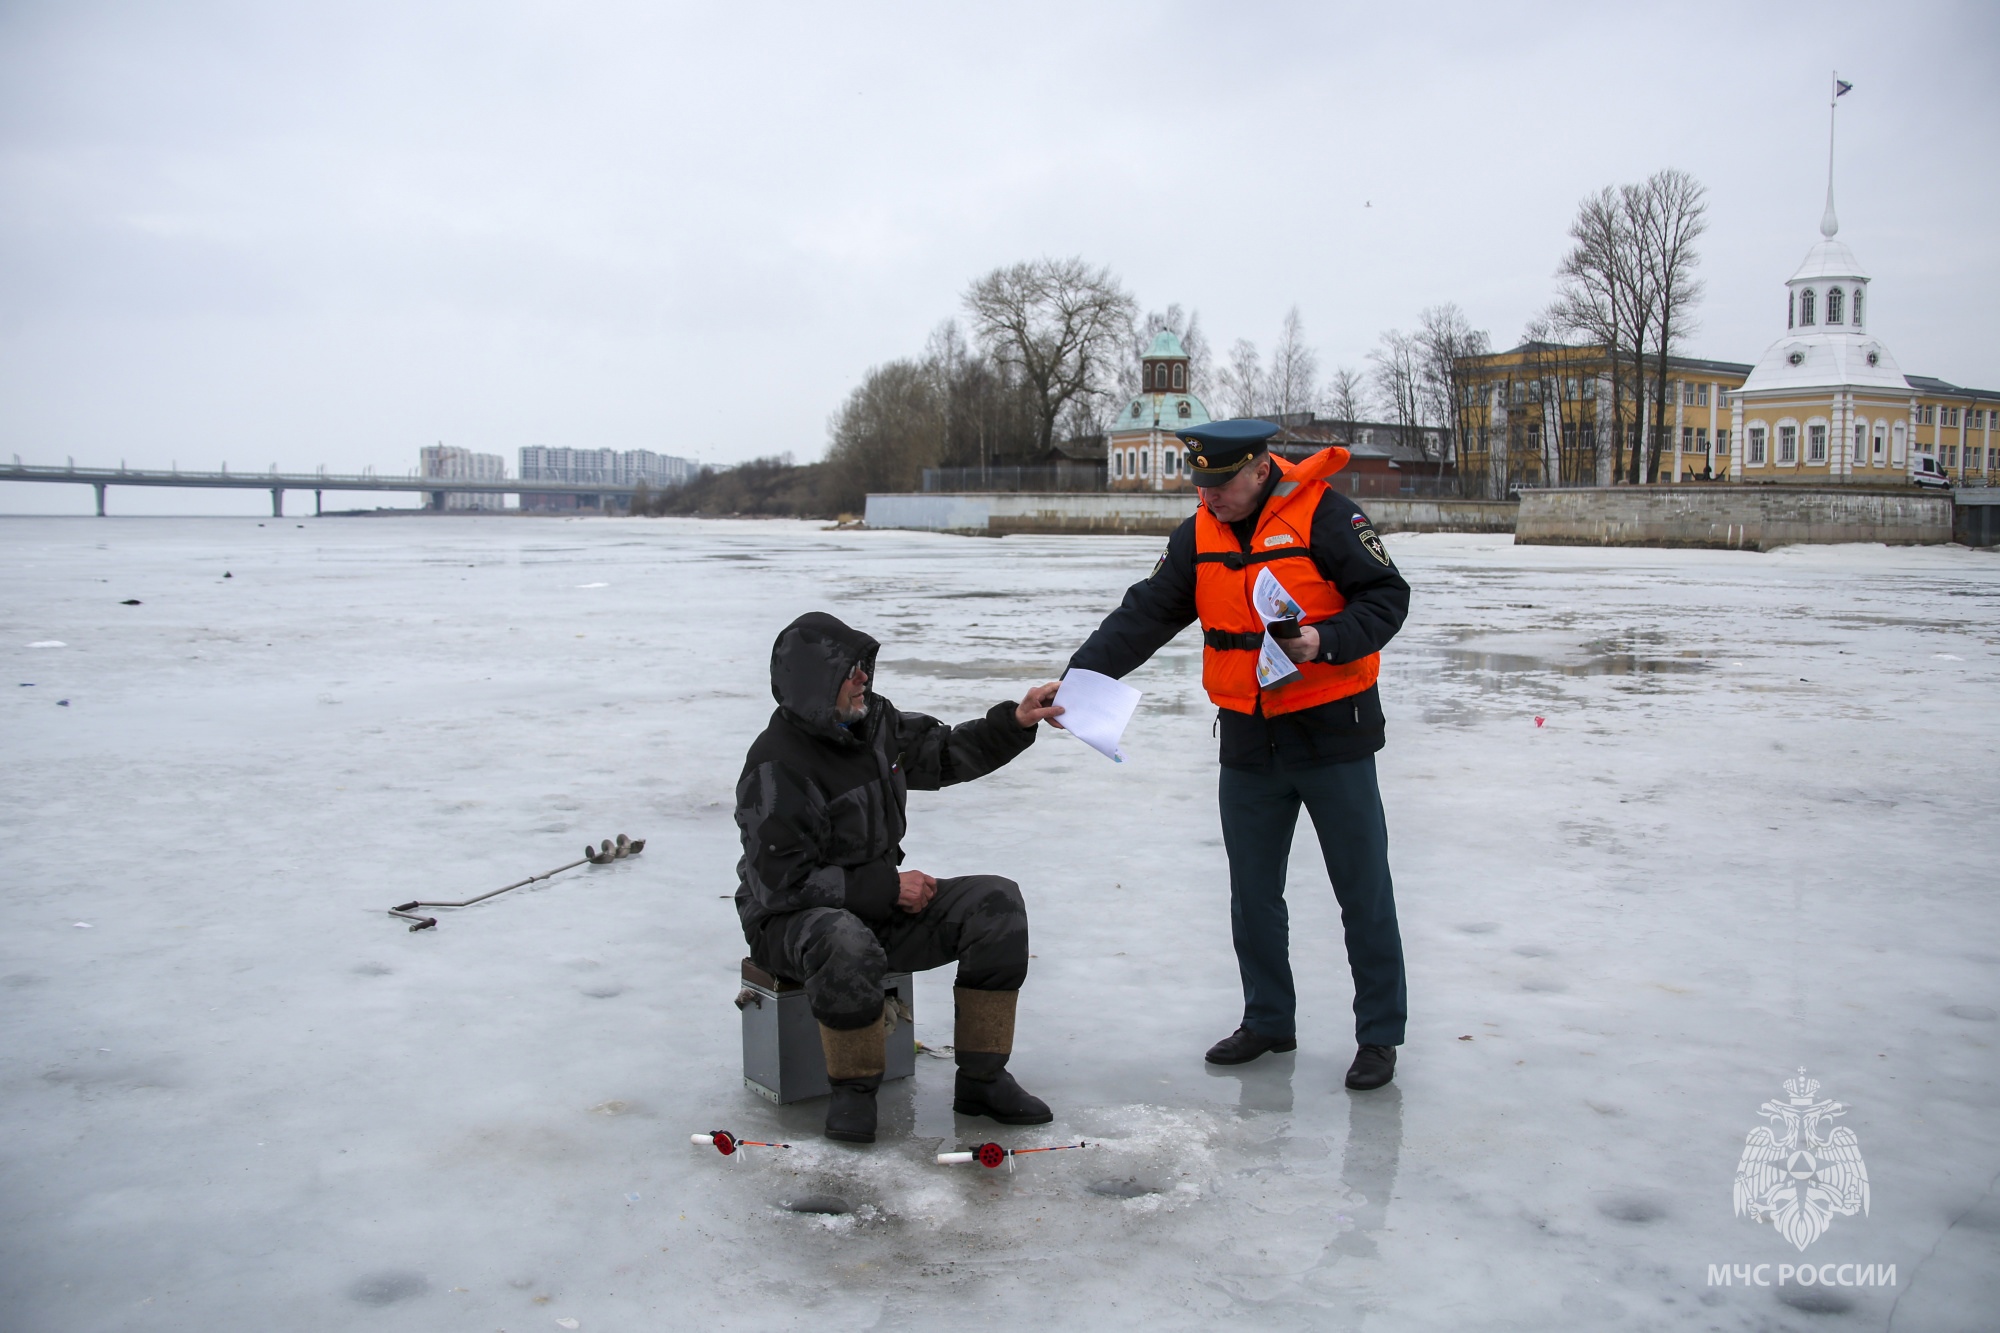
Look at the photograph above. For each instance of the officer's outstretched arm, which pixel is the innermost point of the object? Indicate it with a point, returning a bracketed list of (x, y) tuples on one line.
[(1155, 609)]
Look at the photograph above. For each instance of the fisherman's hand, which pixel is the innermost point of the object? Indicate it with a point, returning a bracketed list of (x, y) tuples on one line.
[(1304, 648), (1039, 706), (916, 890)]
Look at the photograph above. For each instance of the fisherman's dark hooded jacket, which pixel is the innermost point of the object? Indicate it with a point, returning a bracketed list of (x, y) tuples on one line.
[(821, 805)]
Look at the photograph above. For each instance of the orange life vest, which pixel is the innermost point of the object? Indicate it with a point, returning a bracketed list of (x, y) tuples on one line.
[(1224, 574)]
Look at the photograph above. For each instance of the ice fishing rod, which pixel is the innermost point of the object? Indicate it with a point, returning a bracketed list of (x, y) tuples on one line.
[(597, 856), (990, 1155), (727, 1144)]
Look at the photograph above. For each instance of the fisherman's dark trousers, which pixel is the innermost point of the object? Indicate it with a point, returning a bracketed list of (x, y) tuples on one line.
[(977, 921), (1260, 809)]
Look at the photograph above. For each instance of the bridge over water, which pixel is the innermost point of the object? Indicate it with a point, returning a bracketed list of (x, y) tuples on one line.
[(277, 483)]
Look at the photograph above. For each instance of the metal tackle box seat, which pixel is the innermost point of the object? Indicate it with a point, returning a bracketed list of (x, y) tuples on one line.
[(782, 1057)]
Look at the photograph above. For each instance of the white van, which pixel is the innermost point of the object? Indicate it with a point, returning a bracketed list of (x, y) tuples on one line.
[(1924, 471)]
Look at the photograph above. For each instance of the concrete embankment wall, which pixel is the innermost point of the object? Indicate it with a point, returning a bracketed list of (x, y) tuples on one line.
[(1975, 516), (1441, 515), (1755, 518), (996, 514)]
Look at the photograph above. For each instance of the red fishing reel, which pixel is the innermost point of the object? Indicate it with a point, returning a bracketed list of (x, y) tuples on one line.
[(991, 1155), (726, 1143)]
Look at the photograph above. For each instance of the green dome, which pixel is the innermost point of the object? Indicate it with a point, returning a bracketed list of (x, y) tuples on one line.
[(1165, 344), (1160, 411)]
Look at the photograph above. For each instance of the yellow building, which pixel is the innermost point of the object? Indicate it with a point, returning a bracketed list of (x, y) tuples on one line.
[(1541, 415), (1825, 403)]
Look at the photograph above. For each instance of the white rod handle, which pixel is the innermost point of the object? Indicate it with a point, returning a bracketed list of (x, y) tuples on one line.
[(705, 1140), (950, 1158)]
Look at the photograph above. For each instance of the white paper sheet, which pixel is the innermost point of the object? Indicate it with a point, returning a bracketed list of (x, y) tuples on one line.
[(1096, 709), (1273, 603)]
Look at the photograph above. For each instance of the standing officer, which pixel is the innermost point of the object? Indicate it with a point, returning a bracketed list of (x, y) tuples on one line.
[(1309, 740)]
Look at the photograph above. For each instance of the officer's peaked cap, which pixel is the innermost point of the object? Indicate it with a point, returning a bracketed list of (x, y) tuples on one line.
[(1218, 451)]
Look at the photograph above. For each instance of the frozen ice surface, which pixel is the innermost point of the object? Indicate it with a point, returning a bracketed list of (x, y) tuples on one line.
[(1756, 832)]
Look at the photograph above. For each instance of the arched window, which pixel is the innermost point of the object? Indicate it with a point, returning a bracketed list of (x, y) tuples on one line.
[(1836, 301), (1806, 307), (1144, 459), (1180, 376), (1857, 307)]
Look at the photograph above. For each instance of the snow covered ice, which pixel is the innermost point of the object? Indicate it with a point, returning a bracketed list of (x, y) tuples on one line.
[(1755, 833)]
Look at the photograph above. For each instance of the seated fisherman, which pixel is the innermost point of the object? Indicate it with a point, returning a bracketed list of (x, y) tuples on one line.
[(821, 809)]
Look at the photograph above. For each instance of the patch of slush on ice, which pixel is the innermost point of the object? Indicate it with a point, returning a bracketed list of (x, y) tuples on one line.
[(49, 643)]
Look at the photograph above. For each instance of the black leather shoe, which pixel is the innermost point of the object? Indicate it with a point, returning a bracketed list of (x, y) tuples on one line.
[(984, 1087), (1373, 1066), (1243, 1046), (850, 1112)]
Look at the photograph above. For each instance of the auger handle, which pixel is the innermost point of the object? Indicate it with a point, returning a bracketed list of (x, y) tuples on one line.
[(705, 1140), (956, 1158)]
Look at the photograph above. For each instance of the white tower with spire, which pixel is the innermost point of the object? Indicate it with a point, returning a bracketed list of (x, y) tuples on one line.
[(1825, 401)]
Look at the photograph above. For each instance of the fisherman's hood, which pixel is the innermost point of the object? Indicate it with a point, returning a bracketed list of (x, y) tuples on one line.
[(812, 657)]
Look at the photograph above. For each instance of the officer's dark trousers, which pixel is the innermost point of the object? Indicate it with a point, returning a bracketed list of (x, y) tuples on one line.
[(977, 921), (1259, 811)]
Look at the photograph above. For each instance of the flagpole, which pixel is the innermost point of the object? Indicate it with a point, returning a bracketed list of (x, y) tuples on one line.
[(1828, 223)]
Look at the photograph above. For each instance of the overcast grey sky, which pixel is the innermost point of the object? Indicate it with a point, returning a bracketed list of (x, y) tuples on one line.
[(273, 233)]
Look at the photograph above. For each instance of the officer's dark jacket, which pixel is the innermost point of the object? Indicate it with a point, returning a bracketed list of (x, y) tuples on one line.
[(821, 805), (1378, 599)]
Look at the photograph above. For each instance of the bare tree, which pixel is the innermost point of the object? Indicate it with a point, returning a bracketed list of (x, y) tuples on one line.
[(885, 434), (1445, 341), (1294, 378), (1346, 399), (1060, 325), (1670, 215), (1397, 360), (1560, 384), (986, 415), (1243, 387), (1604, 299)]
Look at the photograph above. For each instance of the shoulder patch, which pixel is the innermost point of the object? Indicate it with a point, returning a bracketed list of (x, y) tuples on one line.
[(1360, 520), (1373, 544), (1278, 539), (1161, 563)]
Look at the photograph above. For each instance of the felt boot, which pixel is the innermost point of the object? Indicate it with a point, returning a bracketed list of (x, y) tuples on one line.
[(982, 1042), (854, 1065)]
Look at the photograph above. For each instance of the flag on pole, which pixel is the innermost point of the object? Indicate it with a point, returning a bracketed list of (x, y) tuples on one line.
[(1842, 88)]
